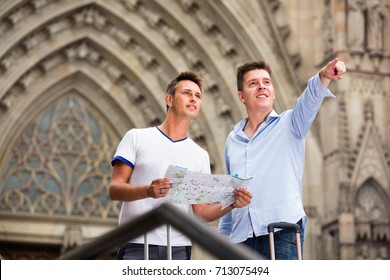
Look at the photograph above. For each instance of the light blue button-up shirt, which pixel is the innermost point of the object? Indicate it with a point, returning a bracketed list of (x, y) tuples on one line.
[(274, 157)]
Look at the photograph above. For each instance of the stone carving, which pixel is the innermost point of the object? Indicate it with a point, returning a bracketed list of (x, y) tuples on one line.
[(363, 252), (356, 25), (151, 17), (12, 56), (296, 59), (145, 57), (6, 103), (226, 47), (369, 86), (161, 76), (173, 37), (34, 40), (113, 72), (30, 77), (188, 5), (284, 31), (72, 238), (6, 62), (90, 16), (20, 14), (274, 4), (5, 26), (372, 221), (193, 59), (207, 25), (134, 94), (149, 114), (345, 202), (369, 205), (383, 253), (211, 83), (123, 37), (131, 4), (327, 29), (197, 131), (375, 27), (38, 4), (222, 107)]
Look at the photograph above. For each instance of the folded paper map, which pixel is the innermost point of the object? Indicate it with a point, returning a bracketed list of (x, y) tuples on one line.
[(195, 188)]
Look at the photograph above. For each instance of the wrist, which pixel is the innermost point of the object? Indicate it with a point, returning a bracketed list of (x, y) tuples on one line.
[(148, 191), (325, 81), (322, 74)]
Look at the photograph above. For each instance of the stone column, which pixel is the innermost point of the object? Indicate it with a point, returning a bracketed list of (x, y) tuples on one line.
[(347, 236)]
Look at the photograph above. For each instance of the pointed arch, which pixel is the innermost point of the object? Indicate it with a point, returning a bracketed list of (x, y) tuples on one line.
[(59, 165), (371, 203)]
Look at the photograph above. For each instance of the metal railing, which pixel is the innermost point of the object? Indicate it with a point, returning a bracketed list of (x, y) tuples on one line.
[(198, 232)]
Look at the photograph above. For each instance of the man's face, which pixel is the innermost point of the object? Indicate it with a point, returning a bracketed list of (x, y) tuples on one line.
[(187, 99), (258, 91)]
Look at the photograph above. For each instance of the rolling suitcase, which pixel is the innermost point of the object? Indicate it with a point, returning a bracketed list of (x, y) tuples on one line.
[(284, 225)]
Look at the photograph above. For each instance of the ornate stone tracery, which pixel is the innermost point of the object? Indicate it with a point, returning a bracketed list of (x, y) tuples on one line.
[(372, 222), (60, 165)]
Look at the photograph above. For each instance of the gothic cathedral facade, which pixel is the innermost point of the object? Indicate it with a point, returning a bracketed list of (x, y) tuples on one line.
[(75, 75)]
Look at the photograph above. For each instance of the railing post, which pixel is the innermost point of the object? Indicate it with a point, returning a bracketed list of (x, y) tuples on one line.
[(146, 246), (169, 247)]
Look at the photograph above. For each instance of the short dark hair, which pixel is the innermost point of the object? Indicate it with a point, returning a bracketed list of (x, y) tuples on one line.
[(187, 75), (249, 66)]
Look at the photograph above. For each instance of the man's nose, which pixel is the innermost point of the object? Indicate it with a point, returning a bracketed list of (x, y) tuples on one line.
[(261, 84), (192, 97)]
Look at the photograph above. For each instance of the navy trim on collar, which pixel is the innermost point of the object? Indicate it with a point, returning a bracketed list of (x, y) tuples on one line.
[(170, 138)]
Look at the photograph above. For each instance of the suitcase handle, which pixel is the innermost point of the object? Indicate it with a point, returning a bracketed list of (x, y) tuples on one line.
[(284, 225)]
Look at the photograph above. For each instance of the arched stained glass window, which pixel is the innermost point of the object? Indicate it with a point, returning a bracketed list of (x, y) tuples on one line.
[(60, 165)]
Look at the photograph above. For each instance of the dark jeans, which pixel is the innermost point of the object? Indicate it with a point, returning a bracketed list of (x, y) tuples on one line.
[(285, 244), (132, 251)]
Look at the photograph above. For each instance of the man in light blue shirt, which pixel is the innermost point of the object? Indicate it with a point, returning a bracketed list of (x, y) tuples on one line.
[(271, 148)]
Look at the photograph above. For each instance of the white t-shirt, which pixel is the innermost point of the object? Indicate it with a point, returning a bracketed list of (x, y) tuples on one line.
[(149, 152)]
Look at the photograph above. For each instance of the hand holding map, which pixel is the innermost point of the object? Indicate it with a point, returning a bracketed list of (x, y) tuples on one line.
[(196, 188)]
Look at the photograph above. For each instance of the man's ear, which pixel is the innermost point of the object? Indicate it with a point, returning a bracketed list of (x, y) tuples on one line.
[(168, 99), (240, 95)]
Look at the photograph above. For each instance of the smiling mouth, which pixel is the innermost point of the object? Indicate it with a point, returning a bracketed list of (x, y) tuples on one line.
[(191, 107), (261, 96)]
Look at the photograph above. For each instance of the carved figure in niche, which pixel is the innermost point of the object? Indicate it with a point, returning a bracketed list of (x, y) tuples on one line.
[(363, 254), (72, 238), (375, 26), (327, 28), (382, 253), (356, 25)]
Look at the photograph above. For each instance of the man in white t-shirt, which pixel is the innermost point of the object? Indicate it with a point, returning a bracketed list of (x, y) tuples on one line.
[(140, 162)]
